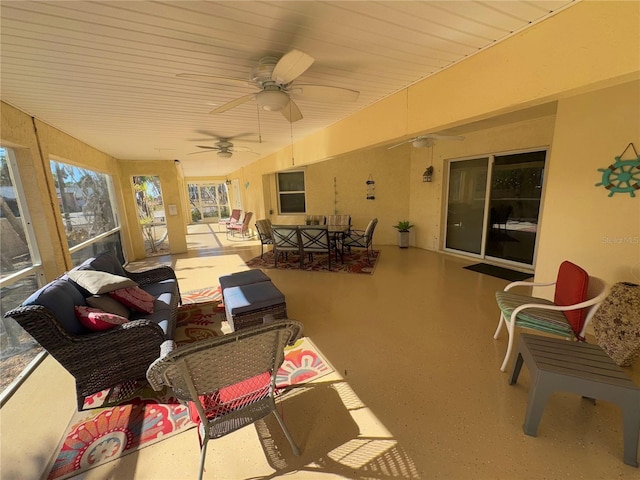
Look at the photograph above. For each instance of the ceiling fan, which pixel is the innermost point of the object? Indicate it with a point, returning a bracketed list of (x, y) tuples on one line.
[(274, 77), (427, 140), (225, 148)]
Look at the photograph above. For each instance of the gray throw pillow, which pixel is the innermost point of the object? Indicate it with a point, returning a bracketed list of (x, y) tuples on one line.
[(96, 282), (109, 305)]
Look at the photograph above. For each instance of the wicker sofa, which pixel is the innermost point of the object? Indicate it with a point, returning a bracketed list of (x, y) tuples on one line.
[(100, 360)]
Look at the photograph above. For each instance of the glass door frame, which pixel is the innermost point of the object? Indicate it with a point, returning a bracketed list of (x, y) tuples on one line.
[(199, 205), (486, 214)]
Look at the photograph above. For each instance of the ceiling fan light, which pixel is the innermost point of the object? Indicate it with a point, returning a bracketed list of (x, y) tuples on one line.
[(224, 154), (422, 142), (272, 100)]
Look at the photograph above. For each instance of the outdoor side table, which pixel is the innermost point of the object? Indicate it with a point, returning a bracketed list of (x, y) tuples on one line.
[(581, 368)]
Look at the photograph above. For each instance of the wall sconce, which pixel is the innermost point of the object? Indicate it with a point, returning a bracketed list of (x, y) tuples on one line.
[(428, 174)]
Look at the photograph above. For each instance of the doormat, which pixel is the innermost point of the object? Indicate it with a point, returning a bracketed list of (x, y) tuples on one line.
[(499, 272)]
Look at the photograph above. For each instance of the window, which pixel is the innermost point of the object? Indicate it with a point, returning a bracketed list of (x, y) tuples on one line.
[(89, 212), (209, 202), (291, 193), (21, 275)]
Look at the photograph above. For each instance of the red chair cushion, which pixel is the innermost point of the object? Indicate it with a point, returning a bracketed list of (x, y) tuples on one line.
[(232, 397), (571, 288)]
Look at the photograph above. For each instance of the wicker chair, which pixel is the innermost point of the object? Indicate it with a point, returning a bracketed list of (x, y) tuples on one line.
[(263, 227), (97, 360), (229, 381)]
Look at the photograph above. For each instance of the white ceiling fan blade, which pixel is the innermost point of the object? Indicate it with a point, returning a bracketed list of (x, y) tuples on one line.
[(402, 143), (291, 112), (291, 66), (437, 136), (233, 103), (235, 150), (325, 93), (201, 151), (215, 79)]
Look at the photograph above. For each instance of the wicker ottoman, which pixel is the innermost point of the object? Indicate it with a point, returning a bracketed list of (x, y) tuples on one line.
[(246, 305), (245, 277)]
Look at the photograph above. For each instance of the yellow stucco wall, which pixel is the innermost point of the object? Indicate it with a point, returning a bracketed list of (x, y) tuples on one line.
[(35, 143), (428, 200), (580, 222), (591, 45), (172, 187)]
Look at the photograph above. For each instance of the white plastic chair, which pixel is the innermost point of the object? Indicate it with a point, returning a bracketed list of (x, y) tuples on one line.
[(544, 315)]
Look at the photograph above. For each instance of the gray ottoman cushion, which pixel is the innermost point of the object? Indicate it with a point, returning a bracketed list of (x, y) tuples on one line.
[(246, 277), (247, 298)]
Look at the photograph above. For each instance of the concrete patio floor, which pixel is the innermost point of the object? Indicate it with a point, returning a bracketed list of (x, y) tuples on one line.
[(416, 394)]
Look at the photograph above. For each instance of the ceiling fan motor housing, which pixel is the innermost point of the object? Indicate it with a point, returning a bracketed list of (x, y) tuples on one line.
[(262, 72), (422, 142)]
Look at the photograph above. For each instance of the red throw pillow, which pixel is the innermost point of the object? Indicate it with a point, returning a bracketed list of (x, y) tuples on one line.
[(571, 288), (97, 320), (135, 298)]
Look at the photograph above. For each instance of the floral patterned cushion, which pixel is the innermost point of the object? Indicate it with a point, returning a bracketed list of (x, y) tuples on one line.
[(616, 323), (135, 298), (97, 320)]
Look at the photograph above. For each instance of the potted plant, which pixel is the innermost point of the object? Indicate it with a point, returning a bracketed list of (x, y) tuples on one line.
[(403, 227)]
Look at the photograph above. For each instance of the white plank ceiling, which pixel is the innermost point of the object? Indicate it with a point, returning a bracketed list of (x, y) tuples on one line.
[(105, 72)]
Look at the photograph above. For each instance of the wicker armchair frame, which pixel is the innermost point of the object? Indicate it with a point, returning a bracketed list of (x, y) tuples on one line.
[(230, 380), (105, 359)]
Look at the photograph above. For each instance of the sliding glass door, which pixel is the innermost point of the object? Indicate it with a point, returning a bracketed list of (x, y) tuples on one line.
[(496, 218), (466, 205)]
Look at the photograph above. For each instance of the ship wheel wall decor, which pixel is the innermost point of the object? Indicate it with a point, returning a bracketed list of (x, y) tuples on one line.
[(622, 176)]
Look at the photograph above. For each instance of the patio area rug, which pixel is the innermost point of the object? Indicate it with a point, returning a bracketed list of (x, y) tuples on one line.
[(355, 262), (107, 431)]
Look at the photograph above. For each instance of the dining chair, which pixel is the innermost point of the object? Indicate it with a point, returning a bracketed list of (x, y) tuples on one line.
[(285, 240), (228, 381), (336, 234), (360, 238), (241, 228), (314, 239), (263, 227), (315, 220), (339, 220), (577, 296), (233, 219)]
